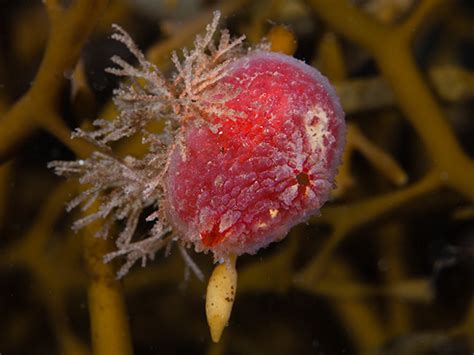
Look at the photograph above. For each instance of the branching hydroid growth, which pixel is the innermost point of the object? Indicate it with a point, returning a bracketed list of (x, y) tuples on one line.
[(126, 186)]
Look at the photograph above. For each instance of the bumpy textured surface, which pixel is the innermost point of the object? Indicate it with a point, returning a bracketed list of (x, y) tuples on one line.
[(244, 178)]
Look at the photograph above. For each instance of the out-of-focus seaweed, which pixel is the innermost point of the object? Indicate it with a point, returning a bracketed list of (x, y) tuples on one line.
[(55, 258)]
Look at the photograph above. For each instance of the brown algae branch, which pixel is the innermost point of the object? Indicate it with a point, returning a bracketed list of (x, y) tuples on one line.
[(347, 218), (69, 30), (110, 330), (451, 83), (158, 53), (398, 67)]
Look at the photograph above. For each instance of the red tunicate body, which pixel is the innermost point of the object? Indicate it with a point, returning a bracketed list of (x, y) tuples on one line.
[(245, 177)]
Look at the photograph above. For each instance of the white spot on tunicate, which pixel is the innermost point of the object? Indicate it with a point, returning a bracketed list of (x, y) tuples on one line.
[(228, 219), (320, 130), (214, 128), (289, 194), (309, 194), (204, 215), (262, 225), (273, 212)]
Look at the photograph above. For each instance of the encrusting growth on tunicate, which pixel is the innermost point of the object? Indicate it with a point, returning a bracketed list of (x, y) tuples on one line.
[(250, 147)]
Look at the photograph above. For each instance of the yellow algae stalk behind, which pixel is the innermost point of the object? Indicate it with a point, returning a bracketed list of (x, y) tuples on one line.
[(220, 297)]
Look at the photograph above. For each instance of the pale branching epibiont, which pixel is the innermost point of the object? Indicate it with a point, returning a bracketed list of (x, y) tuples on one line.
[(119, 188)]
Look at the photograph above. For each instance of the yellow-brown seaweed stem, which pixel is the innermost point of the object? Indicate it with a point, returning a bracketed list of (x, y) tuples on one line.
[(220, 297), (70, 28), (420, 107), (108, 317)]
